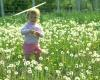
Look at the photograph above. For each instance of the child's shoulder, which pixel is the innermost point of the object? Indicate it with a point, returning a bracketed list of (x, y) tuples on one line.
[(38, 25)]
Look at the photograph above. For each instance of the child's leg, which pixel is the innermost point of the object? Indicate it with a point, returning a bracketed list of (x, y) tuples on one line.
[(37, 57), (27, 56)]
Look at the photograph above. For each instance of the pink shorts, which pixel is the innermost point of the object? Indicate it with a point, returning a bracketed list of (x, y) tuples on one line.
[(31, 48)]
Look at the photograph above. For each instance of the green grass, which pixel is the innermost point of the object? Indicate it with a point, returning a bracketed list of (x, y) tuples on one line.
[(72, 44)]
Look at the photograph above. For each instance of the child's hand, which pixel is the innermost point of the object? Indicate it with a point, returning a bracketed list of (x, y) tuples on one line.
[(37, 34)]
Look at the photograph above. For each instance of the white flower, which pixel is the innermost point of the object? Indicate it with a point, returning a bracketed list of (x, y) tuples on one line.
[(82, 75), (46, 68), (76, 66), (89, 67), (41, 58), (61, 64), (11, 66), (38, 67), (45, 51), (16, 73), (71, 55), (66, 78), (88, 71), (19, 56), (34, 62), (29, 70), (87, 49), (2, 62), (8, 71), (26, 63), (58, 71), (6, 79), (77, 78), (88, 44)]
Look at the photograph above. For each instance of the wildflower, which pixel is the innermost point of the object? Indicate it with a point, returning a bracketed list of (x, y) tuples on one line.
[(58, 72), (16, 73), (89, 67), (77, 78), (61, 64), (11, 66), (29, 70), (87, 49), (38, 67), (41, 58), (6, 79), (76, 66), (26, 63), (34, 62), (88, 44), (2, 62), (46, 68), (9, 71), (19, 56), (88, 71), (82, 75), (71, 55), (66, 78)]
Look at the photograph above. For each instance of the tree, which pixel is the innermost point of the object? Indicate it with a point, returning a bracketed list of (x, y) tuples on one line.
[(58, 6), (78, 4), (94, 4), (2, 8)]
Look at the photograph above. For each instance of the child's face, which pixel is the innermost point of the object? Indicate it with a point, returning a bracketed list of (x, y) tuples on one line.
[(32, 17)]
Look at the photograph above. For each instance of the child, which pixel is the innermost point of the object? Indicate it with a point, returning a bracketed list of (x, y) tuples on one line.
[(32, 31)]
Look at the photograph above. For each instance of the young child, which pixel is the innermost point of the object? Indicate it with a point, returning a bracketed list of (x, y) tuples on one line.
[(32, 31)]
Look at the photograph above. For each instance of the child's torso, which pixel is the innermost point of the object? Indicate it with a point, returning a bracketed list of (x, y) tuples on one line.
[(30, 38)]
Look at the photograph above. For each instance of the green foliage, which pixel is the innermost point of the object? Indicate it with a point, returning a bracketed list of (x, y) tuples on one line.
[(71, 44)]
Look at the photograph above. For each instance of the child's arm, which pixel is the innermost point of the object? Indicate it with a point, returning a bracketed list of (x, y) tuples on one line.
[(39, 32), (25, 31)]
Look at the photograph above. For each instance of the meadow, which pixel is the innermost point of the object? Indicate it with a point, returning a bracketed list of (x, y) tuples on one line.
[(71, 44)]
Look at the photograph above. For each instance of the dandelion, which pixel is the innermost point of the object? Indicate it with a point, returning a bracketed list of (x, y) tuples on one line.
[(45, 51), (17, 63), (77, 78), (88, 71), (76, 55), (41, 58), (82, 75), (52, 53), (58, 72), (87, 49), (34, 62), (11, 66), (89, 67), (19, 56), (76, 66), (6, 79), (62, 52), (38, 67), (71, 55), (9, 71), (88, 44), (26, 63), (71, 73), (2, 62), (61, 64), (29, 70), (46, 68), (66, 78), (16, 73)]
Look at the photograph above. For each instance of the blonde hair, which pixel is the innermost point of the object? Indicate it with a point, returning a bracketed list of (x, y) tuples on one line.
[(35, 12)]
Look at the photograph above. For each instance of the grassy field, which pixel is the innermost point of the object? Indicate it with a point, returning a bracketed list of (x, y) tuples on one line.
[(72, 44)]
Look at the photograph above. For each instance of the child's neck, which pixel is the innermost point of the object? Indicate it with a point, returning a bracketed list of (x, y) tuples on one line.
[(32, 22)]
